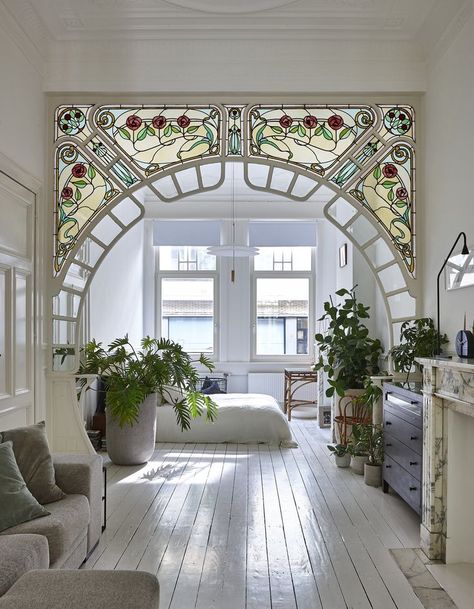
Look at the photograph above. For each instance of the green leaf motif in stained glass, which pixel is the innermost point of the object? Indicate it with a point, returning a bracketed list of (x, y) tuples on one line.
[(156, 138), (387, 191), (315, 137), (81, 192)]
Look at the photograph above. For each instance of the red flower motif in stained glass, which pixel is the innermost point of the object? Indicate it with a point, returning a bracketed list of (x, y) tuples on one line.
[(159, 122), (402, 193), (133, 122), (67, 192), (310, 121), (183, 121), (335, 122), (389, 170), (79, 170), (286, 121)]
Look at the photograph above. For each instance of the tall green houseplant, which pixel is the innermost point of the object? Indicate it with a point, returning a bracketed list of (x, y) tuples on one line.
[(131, 375), (346, 352)]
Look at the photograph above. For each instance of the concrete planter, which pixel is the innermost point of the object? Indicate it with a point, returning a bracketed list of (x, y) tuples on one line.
[(343, 461), (357, 464), (133, 444), (372, 474)]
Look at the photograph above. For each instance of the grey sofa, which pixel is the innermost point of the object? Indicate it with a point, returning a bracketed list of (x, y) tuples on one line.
[(36, 557), (73, 527)]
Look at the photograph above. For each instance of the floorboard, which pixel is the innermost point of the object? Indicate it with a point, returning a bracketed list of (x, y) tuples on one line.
[(258, 527)]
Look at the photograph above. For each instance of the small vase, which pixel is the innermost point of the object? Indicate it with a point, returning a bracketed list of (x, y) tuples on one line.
[(357, 464), (343, 461), (372, 474)]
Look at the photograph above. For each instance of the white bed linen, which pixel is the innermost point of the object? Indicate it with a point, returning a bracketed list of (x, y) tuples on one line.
[(242, 418)]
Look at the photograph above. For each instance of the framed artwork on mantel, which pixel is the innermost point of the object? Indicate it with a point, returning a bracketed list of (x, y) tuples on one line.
[(343, 255)]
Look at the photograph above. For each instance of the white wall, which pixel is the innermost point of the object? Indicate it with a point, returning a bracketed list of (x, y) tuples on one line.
[(22, 108), (22, 145), (447, 206), (116, 294)]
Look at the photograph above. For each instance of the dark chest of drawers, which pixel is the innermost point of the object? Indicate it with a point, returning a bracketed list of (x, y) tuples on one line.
[(403, 442)]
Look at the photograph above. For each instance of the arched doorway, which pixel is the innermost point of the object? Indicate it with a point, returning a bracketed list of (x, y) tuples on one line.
[(105, 155)]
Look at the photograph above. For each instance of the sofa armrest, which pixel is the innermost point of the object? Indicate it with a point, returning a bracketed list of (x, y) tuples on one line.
[(82, 475)]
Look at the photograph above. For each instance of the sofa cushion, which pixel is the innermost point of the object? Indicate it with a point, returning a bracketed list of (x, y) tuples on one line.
[(32, 454), (19, 554), (68, 519), (17, 504), (81, 589)]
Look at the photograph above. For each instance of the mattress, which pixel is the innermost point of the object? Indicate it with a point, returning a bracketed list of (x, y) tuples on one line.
[(242, 418)]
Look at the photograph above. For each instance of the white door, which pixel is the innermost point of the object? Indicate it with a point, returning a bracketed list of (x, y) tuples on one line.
[(16, 303)]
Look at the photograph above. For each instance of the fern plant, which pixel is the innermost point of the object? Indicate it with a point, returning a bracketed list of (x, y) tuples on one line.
[(160, 366)]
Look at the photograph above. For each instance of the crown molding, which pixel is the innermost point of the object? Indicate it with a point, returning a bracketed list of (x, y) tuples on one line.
[(33, 46)]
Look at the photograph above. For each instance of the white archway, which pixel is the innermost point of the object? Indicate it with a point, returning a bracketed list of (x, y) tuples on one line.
[(119, 177)]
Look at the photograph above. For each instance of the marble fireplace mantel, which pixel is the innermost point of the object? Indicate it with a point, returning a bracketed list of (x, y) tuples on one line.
[(448, 385)]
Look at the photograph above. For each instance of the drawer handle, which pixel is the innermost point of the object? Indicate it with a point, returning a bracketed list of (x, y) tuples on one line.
[(388, 422), (413, 462), (413, 437), (388, 466), (388, 444), (387, 393), (413, 488), (413, 402)]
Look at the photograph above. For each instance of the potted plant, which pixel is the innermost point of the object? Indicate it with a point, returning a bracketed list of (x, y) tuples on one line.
[(347, 354), (341, 454), (132, 379), (418, 338), (373, 440), (358, 449)]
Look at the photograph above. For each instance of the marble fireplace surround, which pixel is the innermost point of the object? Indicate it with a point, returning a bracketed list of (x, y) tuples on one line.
[(448, 386)]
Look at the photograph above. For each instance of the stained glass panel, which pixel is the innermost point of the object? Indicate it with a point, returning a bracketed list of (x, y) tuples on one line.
[(72, 121), (234, 130), (397, 121), (154, 138), (81, 191), (388, 192), (314, 137)]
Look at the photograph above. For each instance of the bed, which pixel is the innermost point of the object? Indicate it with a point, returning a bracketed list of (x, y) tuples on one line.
[(242, 418)]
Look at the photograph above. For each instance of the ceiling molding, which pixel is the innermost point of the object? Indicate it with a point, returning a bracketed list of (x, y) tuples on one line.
[(441, 43), (9, 25)]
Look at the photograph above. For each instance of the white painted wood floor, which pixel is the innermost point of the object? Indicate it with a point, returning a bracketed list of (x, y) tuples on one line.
[(257, 527)]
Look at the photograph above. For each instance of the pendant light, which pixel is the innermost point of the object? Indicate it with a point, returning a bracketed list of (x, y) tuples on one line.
[(232, 250)]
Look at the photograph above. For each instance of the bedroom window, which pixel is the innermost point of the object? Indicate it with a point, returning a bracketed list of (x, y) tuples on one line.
[(282, 303), (187, 297)]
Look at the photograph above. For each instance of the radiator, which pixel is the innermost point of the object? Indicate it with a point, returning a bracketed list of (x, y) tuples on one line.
[(273, 383)]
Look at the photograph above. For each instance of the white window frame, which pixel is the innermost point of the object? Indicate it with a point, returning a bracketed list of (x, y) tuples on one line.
[(310, 275), (159, 275)]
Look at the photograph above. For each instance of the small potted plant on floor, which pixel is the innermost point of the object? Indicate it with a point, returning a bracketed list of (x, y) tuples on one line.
[(133, 378), (373, 440), (358, 449), (341, 454), (418, 338)]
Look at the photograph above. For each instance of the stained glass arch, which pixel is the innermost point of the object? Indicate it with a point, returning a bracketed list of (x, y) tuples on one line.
[(105, 154)]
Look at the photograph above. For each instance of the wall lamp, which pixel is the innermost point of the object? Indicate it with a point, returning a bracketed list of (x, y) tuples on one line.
[(464, 252)]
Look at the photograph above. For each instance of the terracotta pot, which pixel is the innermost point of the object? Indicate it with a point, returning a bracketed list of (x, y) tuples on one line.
[(133, 444), (343, 461), (372, 474), (357, 463)]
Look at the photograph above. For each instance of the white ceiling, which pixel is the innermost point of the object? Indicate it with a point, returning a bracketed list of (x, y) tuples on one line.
[(145, 19), (272, 46)]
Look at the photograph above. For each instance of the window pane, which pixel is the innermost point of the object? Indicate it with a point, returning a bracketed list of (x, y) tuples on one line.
[(173, 258), (282, 316), (187, 313), (283, 259)]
